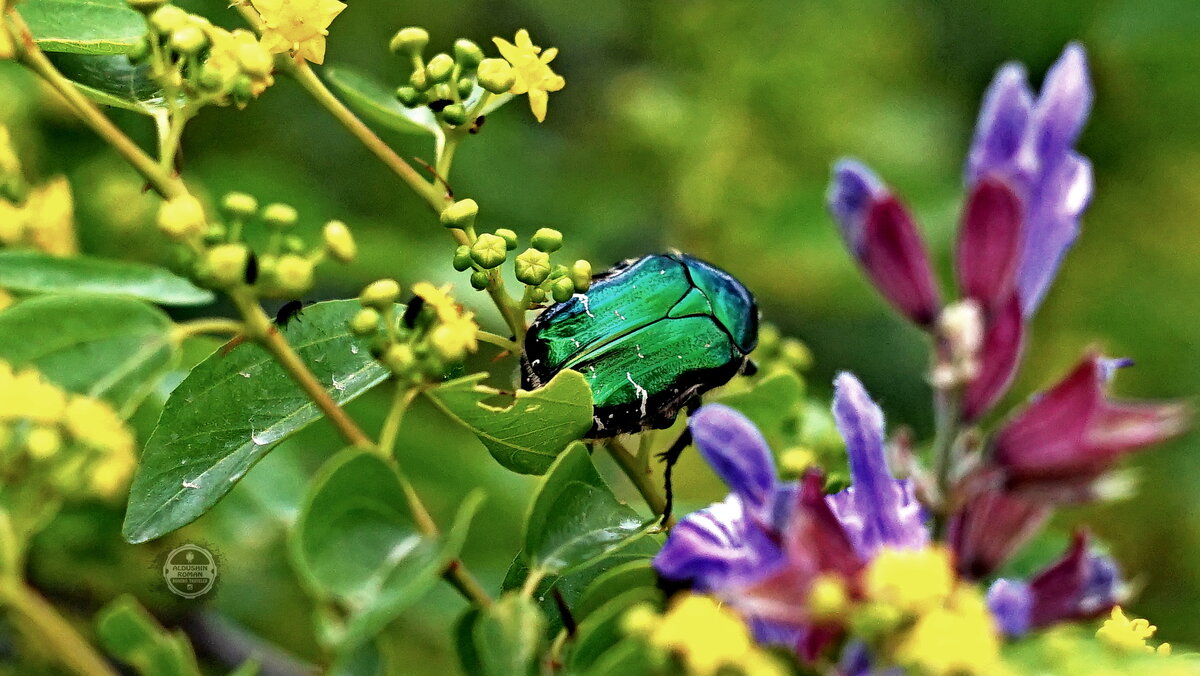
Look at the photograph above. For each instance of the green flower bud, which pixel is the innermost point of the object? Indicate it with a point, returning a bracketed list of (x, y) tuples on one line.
[(532, 266), (454, 114), (439, 67), (239, 205), (562, 289), (294, 274), (480, 280), (243, 90), (215, 234), (380, 294), (338, 241), (795, 354), (460, 215), (547, 239), (489, 250), (255, 60), (462, 258), (419, 80), (188, 40), (226, 263), (442, 96), (538, 295), (280, 216), (365, 322), (168, 18), (411, 41), (408, 97), (496, 75), (294, 244), (559, 271), (467, 53), (146, 6), (181, 217), (465, 87), (510, 237), (581, 275), (399, 359)]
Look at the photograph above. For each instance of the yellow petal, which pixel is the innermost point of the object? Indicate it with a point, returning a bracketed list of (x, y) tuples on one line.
[(275, 43), (549, 54), (524, 42), (312, 49), (507, 49), (537, 103)]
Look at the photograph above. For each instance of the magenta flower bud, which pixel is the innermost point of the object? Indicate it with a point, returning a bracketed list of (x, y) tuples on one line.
[(999, 357), (1080, 586), (990, 528), (989, 244), (1075, 432), (880, 233)]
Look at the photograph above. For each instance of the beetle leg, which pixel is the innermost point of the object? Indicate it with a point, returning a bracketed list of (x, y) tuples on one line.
[(671, 456)]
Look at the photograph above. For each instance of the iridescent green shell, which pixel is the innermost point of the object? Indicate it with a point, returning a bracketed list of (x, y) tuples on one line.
[(650, 335)]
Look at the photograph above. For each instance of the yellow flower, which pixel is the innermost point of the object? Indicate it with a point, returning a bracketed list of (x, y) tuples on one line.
[(959, 638), (239, 52), (25, 395), (439, 299), (50, 218), (1127, 635), (828, 598), (455, 333), (95, 424), (43, 442), (709, 638), (911, 580), (298, 26), (534, 76), (111, 473)]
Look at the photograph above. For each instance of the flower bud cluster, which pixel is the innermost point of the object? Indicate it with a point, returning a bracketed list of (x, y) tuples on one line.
[(201, 62), (422, 342), (217, 257), (485, 253), (73, 444), (39, 216), (448, 84)]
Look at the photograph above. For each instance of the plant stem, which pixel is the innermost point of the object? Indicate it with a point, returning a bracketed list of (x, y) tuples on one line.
[(163, 182), (466, 584), (402, 399), (41, 619), (498, 341), (196, 327), (262, 330), (639, 473), (948, 413)]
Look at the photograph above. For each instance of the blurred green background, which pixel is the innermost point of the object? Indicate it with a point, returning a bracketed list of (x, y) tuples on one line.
[(708, 126)]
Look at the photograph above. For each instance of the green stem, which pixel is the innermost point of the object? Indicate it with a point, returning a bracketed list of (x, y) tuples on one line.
[(948, 413), (196, 327), (642, 477), (498, 341), (42, 620), (391, 425), (163, 182)]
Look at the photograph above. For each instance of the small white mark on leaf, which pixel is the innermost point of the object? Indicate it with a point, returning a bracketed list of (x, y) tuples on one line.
[(190, 484), (244, 374)]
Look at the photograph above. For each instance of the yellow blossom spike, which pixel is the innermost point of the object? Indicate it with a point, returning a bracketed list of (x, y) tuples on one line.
[(710, 638), (533, 73), (958, 638), (297, 26), (1129, 635), (910, 580)]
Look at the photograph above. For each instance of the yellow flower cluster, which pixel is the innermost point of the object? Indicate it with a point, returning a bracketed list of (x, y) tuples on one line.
[(531, 66), (297, 26), (454, 334), (708, 638), (238, 54), (43, 217), (79, 442), (1126, 635), (942, 627)]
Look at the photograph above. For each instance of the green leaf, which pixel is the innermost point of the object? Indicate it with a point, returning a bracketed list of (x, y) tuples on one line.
[(509, 636), (357, 542), (774, 403), (377, 102), (575, 519), (232, 409), (112, 348), (602, 629), (636, 574), (131, 635), (631, 656), (464, 641), (34, 272), (527, 436), (83, 26), (113, 80)]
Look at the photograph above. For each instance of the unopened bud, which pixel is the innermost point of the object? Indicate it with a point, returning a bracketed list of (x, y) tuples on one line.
[(239, 205), (454, 114), (380, 294), (449, 343), (581, 275), (339, 242), (419, 80), (294, 274), (460, 215), (365, 322), (496, 75), (465, 86), (510, 237), (281, 216), (399, 359), (255, 60), (562, 289), (547, 239), (480, 280), (226, 263), (181, 217), (168, 18), (188, 40), (462, 258), (411, 41), (467, 53), (408, 96), (532, 266), (439, 67), (537, 295), (489, 251)]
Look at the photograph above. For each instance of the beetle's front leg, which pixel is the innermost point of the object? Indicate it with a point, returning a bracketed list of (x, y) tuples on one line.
[(671, 456)]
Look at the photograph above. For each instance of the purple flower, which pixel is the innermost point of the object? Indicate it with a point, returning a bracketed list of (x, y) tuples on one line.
[(877, 510), (999, 357), (1082, 585), (991, 527), (880, 232), (1028, 145)]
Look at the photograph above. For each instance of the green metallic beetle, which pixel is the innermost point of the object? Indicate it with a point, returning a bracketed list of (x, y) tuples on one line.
[(650, 335)]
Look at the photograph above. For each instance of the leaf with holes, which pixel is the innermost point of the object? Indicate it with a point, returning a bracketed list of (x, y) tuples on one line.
[(527, 436), (232, 409)]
